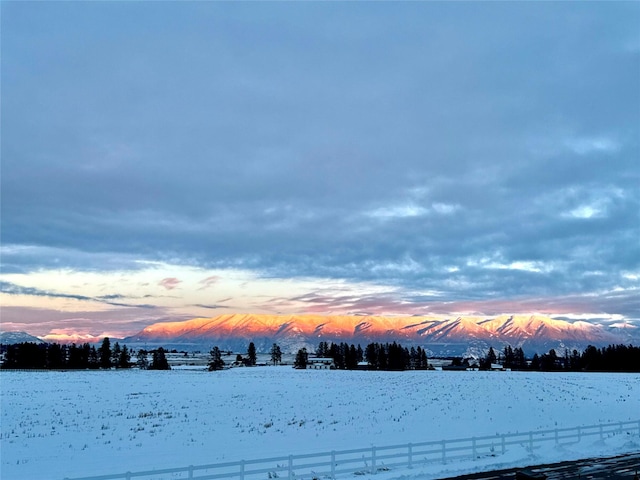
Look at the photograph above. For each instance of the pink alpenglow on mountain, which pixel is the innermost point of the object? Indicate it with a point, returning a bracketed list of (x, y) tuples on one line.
[(534, 333)]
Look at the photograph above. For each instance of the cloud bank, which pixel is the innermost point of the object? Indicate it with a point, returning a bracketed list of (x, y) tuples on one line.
[(451, 154)]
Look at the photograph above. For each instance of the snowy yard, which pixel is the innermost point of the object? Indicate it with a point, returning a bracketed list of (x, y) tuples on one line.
[(66, 424)]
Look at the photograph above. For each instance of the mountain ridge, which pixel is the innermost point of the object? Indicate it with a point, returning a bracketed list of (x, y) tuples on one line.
[(439, 335)]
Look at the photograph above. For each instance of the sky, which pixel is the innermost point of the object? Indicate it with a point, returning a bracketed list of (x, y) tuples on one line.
[(169, 160)]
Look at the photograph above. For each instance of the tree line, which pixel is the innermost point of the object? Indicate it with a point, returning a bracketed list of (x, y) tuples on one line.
[(614, 358), (54, 356), (217, 363), (378, 356)]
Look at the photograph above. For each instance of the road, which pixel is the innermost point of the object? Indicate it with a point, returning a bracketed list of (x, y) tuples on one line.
[(623, 467)]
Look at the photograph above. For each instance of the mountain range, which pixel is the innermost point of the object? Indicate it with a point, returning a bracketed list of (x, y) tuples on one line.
[(439, 336)]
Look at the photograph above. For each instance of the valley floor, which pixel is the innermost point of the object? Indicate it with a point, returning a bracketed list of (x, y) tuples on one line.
[(67, 424)]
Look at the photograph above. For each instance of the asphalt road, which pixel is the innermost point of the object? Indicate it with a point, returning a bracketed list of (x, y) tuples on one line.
[(623, 467)]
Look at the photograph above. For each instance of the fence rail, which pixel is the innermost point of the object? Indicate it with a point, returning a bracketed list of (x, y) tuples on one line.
[(370, 460)]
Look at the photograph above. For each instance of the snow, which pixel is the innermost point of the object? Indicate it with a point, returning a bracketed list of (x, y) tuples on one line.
[(81, 423)]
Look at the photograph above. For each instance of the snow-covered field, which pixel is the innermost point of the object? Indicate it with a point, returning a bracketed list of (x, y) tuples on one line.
[(66, 424)]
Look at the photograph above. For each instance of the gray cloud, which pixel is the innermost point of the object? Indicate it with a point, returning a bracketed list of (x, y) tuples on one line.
[(423, 146), (13, 289), (212, 307)]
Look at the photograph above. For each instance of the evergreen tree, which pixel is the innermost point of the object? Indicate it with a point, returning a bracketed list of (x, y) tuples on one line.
[(251, 353), (383, 358), (215, 361), (124, 359), (321, 350), (105, 353), (423, 364), (74, 357), (335, 352), (276, 354), (519, 362), (549, 361), (302, 358), (352, 358), (115, 355), (94, 358), (535, 362), (491, 356), (509, 357), (56, 356), (141, 360), (413, 358), (490, 359), (371, 355), (575, 363), (159, 360)]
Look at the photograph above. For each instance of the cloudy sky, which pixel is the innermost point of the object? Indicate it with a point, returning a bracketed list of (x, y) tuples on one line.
[(162, 161)]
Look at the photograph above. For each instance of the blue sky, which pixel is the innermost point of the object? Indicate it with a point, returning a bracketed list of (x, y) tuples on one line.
[(165, 160)]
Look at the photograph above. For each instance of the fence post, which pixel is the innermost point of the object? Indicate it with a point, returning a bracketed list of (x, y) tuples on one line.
[(373, 460), (601, 435), (410, 455), (444, 452), (290, 467), (333, 464), (241, 469), (555, 434), (531, 442), (128, 475), (504, 450), (190, 471), (473, 447), (579, 434)]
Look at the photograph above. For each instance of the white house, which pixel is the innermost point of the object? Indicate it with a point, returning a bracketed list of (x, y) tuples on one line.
[(320, 363)]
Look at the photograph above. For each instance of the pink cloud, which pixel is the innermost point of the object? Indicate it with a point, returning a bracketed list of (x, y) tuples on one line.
[(169, 283)]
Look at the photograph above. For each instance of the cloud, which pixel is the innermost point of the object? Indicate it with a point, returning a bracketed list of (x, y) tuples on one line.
[(209, 281), (584, 146), (211, 307), (169, 283), (13, 289), (118, 323), (290, 151)]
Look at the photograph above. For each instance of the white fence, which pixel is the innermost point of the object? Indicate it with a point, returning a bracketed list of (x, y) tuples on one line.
[(361, 461)]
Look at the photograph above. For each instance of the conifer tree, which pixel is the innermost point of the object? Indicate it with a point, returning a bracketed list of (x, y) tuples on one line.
[(251, 353), (519, 362), (371, 355), (105, 353), (159, 361), (302, 358), (491, 356), (359, 353), (322, 350), (215, 360), (423, 362), (276, 354), (142, 361), (94, 358), (124, 358), (115, 355), (535, 362)]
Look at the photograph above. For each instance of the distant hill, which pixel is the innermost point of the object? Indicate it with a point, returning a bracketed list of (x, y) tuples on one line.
[(440, 336), (11, 338)]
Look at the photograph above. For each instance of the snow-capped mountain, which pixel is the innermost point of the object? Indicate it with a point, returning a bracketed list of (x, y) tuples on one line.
[(11, 338), (440, 336)]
